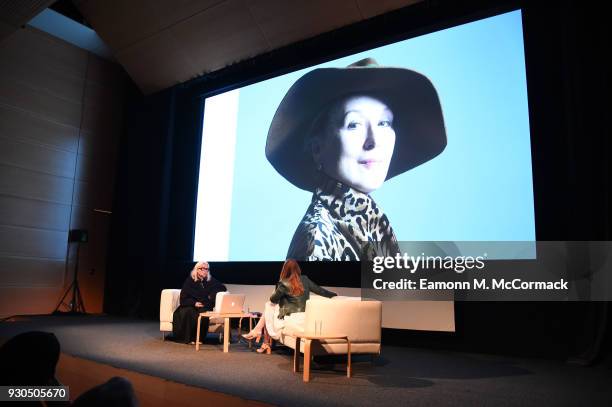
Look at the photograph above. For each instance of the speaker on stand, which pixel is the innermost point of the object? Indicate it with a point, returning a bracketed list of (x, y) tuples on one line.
[(76, 305)]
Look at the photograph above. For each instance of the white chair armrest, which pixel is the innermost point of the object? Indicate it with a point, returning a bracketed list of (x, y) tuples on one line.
[(169, 302), (361, 321)]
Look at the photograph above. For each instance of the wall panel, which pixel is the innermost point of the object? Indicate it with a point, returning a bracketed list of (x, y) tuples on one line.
[(34, 213), (30, 242), (106, 73), (99, 117), (26, 272), (37, 158), (59, 106), (94, 196), (29, 300), (23, 126), (44, 79), (44, 105), (30, 45), (98, 142), (24, 183), (95, 169)]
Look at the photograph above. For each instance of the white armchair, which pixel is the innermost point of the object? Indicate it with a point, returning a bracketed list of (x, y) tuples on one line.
[(169, 302), (360, 320), (340, 320)]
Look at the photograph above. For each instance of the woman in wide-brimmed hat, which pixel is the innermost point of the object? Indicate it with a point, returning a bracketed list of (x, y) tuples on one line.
[(340, 133)]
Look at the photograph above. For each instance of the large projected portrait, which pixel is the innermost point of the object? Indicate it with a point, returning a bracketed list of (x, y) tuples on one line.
[(340, 133), (425, 139)]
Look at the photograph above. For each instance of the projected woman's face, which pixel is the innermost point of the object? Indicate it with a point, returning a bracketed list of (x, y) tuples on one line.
[(359, 143)]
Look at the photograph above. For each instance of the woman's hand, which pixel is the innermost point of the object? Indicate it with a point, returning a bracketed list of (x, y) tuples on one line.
[(198, 304)]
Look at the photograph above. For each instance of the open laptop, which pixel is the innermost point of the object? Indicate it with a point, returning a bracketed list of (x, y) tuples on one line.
[(231, 304)]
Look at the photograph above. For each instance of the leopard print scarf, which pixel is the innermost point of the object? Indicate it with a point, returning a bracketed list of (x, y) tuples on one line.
[(337, 225)]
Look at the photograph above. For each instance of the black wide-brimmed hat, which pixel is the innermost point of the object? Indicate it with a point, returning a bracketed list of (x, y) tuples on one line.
[(417, 116)]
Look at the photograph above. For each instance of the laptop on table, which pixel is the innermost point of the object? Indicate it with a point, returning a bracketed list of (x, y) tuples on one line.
[(231, 304)]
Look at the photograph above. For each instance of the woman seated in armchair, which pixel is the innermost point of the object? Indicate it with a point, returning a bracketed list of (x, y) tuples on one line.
[(288, 301), (197, 295)]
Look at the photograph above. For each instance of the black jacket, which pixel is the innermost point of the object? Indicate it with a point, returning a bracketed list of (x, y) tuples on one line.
[(202, 291)]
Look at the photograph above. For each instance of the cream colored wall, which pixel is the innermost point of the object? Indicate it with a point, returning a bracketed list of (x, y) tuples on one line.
[(417, 315), (60, 121)]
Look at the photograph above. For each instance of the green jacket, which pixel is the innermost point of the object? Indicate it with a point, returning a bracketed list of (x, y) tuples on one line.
[(290, 303)]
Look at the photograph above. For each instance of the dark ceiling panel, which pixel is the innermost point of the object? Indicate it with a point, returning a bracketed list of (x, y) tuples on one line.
[(285, 22), (161, 42)]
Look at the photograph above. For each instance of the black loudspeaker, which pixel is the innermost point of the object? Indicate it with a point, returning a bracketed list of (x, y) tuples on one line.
[(78, 235)]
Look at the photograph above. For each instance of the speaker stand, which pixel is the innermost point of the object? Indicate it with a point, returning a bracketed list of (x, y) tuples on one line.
[(76, 305)]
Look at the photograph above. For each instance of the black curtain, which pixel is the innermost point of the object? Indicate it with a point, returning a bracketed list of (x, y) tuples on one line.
[(139, 228)]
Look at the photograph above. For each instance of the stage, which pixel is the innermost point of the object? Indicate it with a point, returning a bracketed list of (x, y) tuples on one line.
[(417, 377)]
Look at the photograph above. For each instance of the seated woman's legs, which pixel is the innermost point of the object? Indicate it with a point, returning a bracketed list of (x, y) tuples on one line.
[(255, 333), (270, 312), (266, 346), (185, 322), (273, 327)]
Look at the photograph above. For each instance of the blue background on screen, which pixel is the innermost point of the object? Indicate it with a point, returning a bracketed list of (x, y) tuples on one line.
[(480, 188)]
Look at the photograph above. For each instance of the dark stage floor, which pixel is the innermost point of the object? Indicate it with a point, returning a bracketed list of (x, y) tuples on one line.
[(403, 376)]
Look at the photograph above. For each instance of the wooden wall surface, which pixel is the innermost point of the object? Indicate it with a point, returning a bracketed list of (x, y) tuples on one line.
[(162, 43), (60, 122)]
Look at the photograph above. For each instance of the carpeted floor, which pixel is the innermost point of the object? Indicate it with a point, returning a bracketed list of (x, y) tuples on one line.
[(401, 376)]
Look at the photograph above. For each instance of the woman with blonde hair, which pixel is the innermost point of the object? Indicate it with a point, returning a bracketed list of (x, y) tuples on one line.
[(287, 301), (197, 295)]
